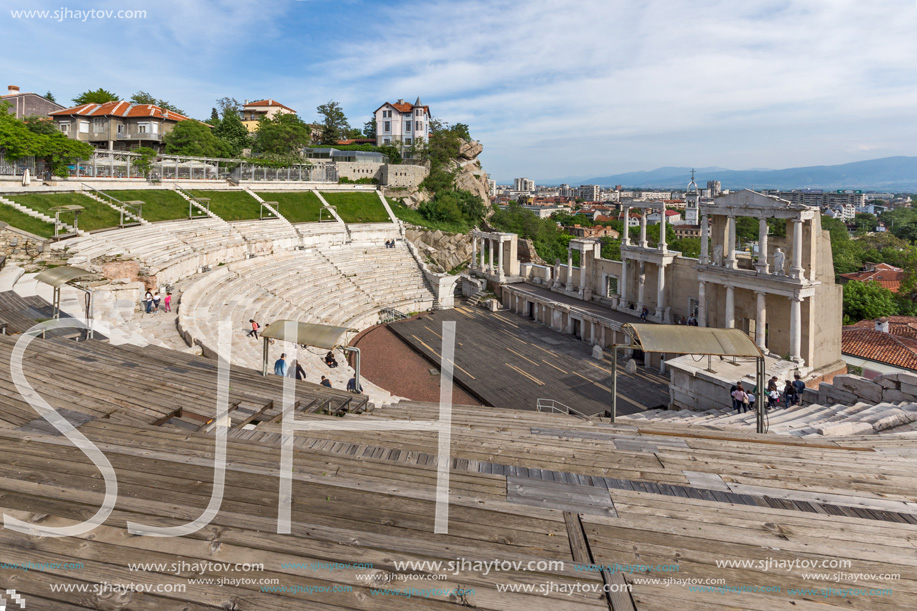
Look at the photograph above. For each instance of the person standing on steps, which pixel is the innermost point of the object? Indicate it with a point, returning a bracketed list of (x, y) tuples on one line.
[(254, 330), (325, 382), (148, 298), (800, 388), (167, 303), (280, 366)]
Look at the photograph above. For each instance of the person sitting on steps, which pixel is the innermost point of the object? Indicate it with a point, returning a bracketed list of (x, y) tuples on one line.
[(330, 360)]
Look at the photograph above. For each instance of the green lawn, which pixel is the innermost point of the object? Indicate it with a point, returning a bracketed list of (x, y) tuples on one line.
[(412, 216), (158, 204), (231, 205), (297, 206), (358, 207), (21, 220), (95, 216)]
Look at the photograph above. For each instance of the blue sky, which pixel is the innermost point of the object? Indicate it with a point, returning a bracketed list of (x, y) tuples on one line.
[(551, 88)]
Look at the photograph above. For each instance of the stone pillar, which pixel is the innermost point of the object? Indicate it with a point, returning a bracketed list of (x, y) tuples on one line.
[(490, 255), (663, 246), (481, 266), (622, 283), (569, 269), (643, 228), (660, 291), (592, 336), (500, 259), (704, 240), (625, 239), (761, 264), (730, 262), (761, 320), (474, 251), (730, 322), (582, 272), (641, 286), (796, 272), (796, 329), (702, 304)]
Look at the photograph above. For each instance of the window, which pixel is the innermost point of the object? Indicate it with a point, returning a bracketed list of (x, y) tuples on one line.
[(407, 126), (84, 127), (419, 126), (120, 128), (155, 128), (386, 114), (611, 286), (64, 126), (143, 128), (98, 124), (386, 141), (407, 141), (418, 112), (387, 126)]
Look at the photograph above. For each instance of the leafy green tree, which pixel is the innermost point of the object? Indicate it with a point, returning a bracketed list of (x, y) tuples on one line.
[(550, 242), (233, 133), (908, 232), (50, 97), (369, 128), (777, 227), (142, 97), (214, 119), (40, 125), (283, 136), (144, 163), (688, 247), (836, 228), (746, 229), (99, 96), (866, 301), (334, 122), (55, 149), (195, 139), (864, 223)]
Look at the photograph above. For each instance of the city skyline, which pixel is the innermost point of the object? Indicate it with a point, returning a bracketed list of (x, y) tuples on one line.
[(549, 91)]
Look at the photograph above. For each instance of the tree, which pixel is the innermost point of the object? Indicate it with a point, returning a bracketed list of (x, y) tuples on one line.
[(40, 125), (867, 301), (864, 223), (369, 128), (284, 136), (231, 131), (334, 122), (908, 232), (50, 97), (195, 139), (55, 149), (99, 96), (144, 163), (688, 247), (746, 229), (214, 119), (142, 97)]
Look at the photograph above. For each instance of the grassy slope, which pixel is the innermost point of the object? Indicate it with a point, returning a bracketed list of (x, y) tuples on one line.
[(23, 221), (358, 207), (158, 204), (296, 206), (412, 216), (95, 216), (231, 205)]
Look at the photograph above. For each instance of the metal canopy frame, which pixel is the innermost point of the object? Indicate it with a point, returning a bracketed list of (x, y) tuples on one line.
[(270, 213), (679, 339), (201, 202), (326, 337), (68, 209), (57, 277)]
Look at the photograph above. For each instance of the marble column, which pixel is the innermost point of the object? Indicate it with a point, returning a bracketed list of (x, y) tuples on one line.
[(761, 264), (702, 304), (643, 228), (660, 291), (730, 322), (625, 239), (500, 259), (731, 242), (481, 267), (796, 272), (796, 329), (622, 283), (704, 240), (761, 320), (641, 287), (582, 272), (490, 255), (570, 269), (663, 246), (474, 251)]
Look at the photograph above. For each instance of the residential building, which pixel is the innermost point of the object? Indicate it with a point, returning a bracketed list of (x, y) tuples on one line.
[(598, 231), (492, 187), (886, 345), (684, 230), (715, 187), (28, 104), (523, 185), (590, 193), (253, 111), (671, 216), (403, 124), (887, 276), (117, 126)]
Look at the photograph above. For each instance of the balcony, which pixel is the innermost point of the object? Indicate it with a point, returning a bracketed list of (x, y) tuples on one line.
[(145, 136)]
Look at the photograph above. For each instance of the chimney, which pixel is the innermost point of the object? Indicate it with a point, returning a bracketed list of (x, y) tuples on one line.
[(882, 324), (13, 90), (400, 101)]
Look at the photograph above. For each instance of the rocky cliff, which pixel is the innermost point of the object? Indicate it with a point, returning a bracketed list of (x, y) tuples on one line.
[(470, 176), (443, 251)]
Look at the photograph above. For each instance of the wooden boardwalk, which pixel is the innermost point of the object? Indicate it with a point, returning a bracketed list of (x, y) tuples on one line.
[(509, 361), (611, 503)]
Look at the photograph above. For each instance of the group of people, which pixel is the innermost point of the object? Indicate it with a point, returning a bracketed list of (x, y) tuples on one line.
[(743, 400), (295, 370), (390, 243), (154, 303)]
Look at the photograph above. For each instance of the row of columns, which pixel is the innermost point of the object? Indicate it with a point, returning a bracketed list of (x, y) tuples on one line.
[(796, 270), (760, 317), (494, 243), (597, 330), (662, 245)]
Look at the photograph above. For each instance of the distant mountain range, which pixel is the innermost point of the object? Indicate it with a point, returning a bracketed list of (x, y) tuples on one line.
[(887, 174)]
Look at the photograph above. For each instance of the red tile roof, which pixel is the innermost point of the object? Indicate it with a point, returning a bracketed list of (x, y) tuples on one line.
[(357, 141), (879, 347), (902, 326), (267, 103), (885, 275), (120, 109), (404, 107)]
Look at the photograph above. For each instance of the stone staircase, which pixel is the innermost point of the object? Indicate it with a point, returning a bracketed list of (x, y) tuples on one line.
[(38, 215), (276, 213), (476, 298), (111, 204), (188, 198), (799, 421)]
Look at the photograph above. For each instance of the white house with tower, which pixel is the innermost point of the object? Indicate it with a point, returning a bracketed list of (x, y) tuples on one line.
[(403, 124)]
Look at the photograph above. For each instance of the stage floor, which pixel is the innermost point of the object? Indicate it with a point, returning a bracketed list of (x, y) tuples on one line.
[(509, 361)]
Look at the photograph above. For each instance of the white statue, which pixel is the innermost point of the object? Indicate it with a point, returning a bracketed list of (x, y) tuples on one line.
[(779, 259), (718, 255)]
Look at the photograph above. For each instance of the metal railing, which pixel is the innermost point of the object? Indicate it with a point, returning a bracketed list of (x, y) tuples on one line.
[(123, 207), (550, 405), (387, 315)]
